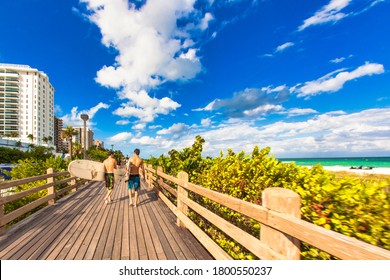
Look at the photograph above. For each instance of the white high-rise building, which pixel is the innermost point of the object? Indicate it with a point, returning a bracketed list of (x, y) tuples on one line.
[(26, 104)]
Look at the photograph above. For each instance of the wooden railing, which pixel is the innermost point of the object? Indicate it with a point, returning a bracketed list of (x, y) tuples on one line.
[(281, 230), (52, 193)]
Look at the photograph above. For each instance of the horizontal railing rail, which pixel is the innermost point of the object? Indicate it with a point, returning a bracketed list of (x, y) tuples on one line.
[(281, 230), (71, 184)]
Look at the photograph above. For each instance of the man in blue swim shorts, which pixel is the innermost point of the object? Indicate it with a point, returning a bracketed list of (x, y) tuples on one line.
[(133, 167)]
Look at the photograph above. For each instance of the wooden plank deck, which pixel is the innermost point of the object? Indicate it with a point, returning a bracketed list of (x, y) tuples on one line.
[(82, 227)]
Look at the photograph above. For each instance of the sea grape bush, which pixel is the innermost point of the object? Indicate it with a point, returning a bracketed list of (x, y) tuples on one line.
[(358, 208)]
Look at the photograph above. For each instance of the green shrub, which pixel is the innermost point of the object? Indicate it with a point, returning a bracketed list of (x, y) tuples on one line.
[(29, 168)]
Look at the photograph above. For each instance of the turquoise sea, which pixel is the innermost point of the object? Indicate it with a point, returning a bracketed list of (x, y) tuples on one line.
[(348, 161)]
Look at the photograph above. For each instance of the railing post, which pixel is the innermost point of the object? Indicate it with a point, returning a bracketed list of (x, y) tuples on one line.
[(160, 180), (182, 193), (283, 201), (51, 190), (2, 227), (149, 176)]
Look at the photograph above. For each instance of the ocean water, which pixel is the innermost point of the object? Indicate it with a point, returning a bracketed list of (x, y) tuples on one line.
[(352, 161)]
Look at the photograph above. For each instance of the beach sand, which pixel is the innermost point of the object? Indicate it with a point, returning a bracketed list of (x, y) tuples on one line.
[(378, 170)]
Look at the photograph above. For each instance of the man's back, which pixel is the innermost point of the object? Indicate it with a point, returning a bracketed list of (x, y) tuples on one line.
[(135, 164), (110, 165)]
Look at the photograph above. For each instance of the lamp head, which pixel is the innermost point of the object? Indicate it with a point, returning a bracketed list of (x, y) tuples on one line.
[(84, 117)]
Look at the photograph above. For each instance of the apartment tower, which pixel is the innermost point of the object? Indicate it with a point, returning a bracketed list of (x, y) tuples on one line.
[(26, 104), (58, 123)]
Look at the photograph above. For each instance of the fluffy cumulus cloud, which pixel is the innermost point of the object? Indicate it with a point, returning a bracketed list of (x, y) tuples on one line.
[(155, 44), (335, 81), (74, 119), (120, 137), (144, 107)]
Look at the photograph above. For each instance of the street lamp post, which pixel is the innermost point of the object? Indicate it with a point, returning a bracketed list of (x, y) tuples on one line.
[(85, 117)]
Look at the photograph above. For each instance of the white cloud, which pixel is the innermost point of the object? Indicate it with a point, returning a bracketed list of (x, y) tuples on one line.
[(333, 12), (122, 122), (284, 46), (340, 59), (73, 119), (263, 110), (174, 129), (144, 107), (139, 126), (251, 102), (152, 48), (331, 83), (209, 106), (57, 110), (206, 122), (328, 13), (120, 137), (299, 112), (204, 24), (334, 133), (190, 55), (155, 126), (148, 41), (270, 89), (158, 142)]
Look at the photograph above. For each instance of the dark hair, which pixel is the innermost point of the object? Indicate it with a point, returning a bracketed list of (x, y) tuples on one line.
[(110, 153), (137, 151)]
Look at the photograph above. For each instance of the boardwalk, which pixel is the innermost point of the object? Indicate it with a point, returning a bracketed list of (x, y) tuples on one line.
[(82, 227)]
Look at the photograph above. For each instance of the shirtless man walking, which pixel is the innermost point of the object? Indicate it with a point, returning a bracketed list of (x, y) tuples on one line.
[(132, 167), (109, 166)]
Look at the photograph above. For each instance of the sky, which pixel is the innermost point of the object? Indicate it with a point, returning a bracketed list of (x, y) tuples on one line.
[(305, 78)]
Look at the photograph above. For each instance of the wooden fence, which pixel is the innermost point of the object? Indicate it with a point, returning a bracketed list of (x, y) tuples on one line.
[(281, 231), (53, 192)]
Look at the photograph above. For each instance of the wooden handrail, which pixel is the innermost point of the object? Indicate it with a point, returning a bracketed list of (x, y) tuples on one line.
[(336, 244), (50, 197), (14, 183)]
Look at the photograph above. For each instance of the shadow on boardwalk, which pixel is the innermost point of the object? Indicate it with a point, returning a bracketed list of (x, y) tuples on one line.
[(81, 227)]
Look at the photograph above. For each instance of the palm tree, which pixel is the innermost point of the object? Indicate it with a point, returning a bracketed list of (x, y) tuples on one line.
[(13, 134), (18, 144), (68, 134), (77, 148), (50, 139), (31, 137), (45, 139)]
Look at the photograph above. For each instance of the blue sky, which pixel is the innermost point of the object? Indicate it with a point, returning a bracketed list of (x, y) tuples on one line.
[(307, 78)]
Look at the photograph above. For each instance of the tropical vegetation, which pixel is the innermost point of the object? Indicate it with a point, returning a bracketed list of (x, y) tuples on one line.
[(357, 207)]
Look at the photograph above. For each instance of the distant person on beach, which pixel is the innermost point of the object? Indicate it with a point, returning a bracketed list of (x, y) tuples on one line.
[(132, 168), (109, 165)]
